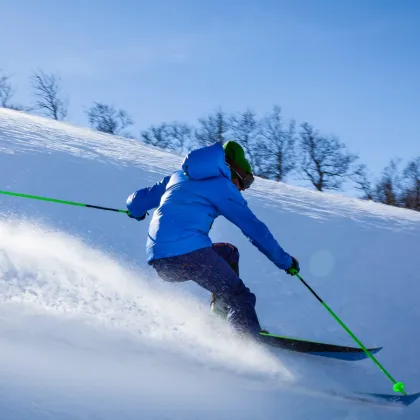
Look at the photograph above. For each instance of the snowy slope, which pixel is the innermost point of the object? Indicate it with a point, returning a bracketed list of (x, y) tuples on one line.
[(89, 331)]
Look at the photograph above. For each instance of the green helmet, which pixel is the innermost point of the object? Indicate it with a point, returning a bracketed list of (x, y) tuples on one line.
[(235, 154), (240, 168)]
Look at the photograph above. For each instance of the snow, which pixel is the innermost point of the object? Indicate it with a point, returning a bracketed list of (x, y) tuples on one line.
[(88, 331)]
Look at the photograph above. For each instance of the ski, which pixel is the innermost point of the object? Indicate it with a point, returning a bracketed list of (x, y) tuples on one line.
[(381, 399), (318, 349), (390, 400)]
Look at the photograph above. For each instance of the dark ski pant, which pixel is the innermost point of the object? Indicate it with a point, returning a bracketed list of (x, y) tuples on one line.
[(216, 270)]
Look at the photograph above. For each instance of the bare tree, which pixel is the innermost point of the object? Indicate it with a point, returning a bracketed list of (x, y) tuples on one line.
[(212, 129), (363, 182), (107, 119), (388, 188), (6, 91), (411, 192), (175, 136), (244, 130), (48, 93), (157, 136), (325, 162), (275, 148), (181, 136)]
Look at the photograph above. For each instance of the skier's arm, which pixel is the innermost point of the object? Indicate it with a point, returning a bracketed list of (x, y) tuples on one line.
[(232, 205), (145, 199)]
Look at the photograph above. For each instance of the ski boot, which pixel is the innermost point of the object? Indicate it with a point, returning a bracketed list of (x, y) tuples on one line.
[(219, 307)]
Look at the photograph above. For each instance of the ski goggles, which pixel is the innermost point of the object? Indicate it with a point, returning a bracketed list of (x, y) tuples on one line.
[(245, 179)]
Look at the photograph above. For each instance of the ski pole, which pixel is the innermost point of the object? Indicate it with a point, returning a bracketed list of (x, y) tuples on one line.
[(53, 200), (398, 386)]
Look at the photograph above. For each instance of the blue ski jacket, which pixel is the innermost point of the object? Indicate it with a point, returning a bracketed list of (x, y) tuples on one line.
[(189, 201)]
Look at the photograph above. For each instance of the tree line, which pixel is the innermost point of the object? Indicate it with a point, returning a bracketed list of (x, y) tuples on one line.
[(278, 149)]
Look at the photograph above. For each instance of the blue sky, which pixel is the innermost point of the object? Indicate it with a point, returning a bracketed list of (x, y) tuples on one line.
[(350, 68)]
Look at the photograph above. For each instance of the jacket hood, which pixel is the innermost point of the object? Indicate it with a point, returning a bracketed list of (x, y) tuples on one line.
[(206, 162)]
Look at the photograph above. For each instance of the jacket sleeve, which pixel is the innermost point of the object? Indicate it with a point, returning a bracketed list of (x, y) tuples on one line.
[(145, 199), (232, 205)]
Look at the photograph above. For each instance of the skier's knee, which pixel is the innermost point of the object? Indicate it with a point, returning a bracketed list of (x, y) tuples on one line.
[(227, 251), (235, 254)]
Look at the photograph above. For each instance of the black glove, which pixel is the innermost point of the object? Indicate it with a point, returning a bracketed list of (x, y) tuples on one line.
[(137, 218), (294, 268)]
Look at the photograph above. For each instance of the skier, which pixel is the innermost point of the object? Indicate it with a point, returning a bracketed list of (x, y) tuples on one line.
[(178, 245)]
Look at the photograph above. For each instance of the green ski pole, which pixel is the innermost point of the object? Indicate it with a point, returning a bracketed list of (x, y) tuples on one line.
[(398, 386), (53, 200)]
